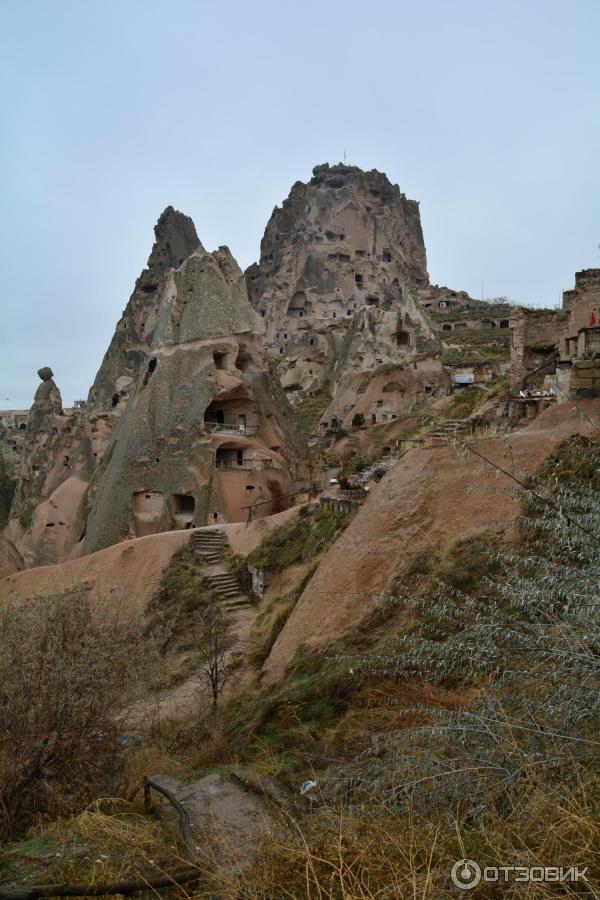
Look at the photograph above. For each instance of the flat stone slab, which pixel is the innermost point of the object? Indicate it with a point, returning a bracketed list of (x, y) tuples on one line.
[(229, 822)]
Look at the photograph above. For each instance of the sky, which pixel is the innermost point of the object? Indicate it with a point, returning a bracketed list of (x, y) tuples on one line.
[(486, 111)]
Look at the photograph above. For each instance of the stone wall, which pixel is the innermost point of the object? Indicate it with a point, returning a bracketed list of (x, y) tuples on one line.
[(534, 335), (585, 378), (540, 336), (578, 304)]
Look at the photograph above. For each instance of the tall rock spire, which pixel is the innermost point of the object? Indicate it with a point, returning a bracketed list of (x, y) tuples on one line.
[(203, 424), (343, 256), (175, 240)]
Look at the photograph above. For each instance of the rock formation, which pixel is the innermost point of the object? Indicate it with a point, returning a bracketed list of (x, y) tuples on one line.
[(184, 423), (60, 455), (188, 421), (205, 429), (176, 239), (341, 262)]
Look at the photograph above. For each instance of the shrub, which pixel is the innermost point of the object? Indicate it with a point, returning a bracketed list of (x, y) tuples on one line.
[(64, 671), (304, 538), (521, 638)]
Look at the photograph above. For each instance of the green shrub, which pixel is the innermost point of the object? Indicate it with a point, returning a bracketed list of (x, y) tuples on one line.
[(307, 536)]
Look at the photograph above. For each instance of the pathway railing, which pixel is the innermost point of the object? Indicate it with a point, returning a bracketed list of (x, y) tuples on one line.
[(181, 875)]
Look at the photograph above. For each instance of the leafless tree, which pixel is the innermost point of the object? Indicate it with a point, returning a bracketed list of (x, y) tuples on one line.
[(64, 669), (214, 641)]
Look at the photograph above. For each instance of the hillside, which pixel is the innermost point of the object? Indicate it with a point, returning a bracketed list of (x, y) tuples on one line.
[(432, 499)]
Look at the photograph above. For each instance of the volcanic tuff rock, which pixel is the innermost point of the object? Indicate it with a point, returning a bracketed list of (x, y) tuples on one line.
[(184, 423), (60, 452), (340, 265), (188, 420), (175, 240), (206, 429)]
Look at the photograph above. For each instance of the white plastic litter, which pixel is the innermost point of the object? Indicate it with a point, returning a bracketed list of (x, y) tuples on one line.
[(308, 786)]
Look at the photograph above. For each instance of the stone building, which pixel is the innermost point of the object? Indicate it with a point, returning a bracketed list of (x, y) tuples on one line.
[(534, 336), (455, 311), (557, 346)]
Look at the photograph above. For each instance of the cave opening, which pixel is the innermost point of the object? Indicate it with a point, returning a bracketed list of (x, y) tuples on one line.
[(150, 370)]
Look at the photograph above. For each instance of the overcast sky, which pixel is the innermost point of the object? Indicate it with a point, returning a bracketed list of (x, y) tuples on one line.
[(486, 111)]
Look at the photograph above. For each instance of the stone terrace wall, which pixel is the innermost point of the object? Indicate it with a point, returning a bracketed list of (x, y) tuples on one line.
[(534, 340)]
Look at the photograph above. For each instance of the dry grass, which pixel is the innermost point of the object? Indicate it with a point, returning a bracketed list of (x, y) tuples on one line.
[(111, 840), (374, 853)]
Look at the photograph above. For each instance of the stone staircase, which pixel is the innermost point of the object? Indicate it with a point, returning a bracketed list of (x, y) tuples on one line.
[(441, 433), (382, 465), (210, 545)]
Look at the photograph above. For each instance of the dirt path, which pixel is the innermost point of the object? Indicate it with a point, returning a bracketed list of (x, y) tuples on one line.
[(189, 698)]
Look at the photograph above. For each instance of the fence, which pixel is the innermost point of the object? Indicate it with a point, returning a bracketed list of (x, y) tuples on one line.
[(254, 465), (225, 428)]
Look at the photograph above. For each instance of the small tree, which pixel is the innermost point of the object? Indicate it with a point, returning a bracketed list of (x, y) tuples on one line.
[(214, 641), (64, 672)]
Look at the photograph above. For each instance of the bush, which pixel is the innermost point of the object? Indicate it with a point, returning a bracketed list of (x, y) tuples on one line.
[(304, 538), (519, 633), (64, 672)]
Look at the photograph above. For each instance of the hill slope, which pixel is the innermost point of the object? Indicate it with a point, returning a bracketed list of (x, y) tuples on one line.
[(430, 500)]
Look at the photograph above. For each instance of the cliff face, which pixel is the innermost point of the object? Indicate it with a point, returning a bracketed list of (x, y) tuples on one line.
[(340, 266), (184, 422), (60, 454), (175, 240), (205, 430)]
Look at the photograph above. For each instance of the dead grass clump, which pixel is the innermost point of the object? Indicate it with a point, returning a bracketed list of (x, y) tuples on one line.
[(312, 532), (469, 563), (109, 841), (181, 594), (271, 619), (374, 851)]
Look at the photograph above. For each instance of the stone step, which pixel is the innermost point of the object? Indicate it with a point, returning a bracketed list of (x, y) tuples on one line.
[(208, 536), (224, 585), (225, 588), (231, 605)]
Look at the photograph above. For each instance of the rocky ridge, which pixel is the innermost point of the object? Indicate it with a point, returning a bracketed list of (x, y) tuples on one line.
[(341, 264)]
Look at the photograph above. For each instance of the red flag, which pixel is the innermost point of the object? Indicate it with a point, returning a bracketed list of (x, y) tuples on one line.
[(593, 317)]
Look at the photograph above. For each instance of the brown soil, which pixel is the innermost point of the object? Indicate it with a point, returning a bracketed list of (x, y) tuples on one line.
[(127, 574), (430, 500)]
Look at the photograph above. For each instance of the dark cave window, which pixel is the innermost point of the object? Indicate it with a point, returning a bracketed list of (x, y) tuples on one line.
[(151, 368)]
